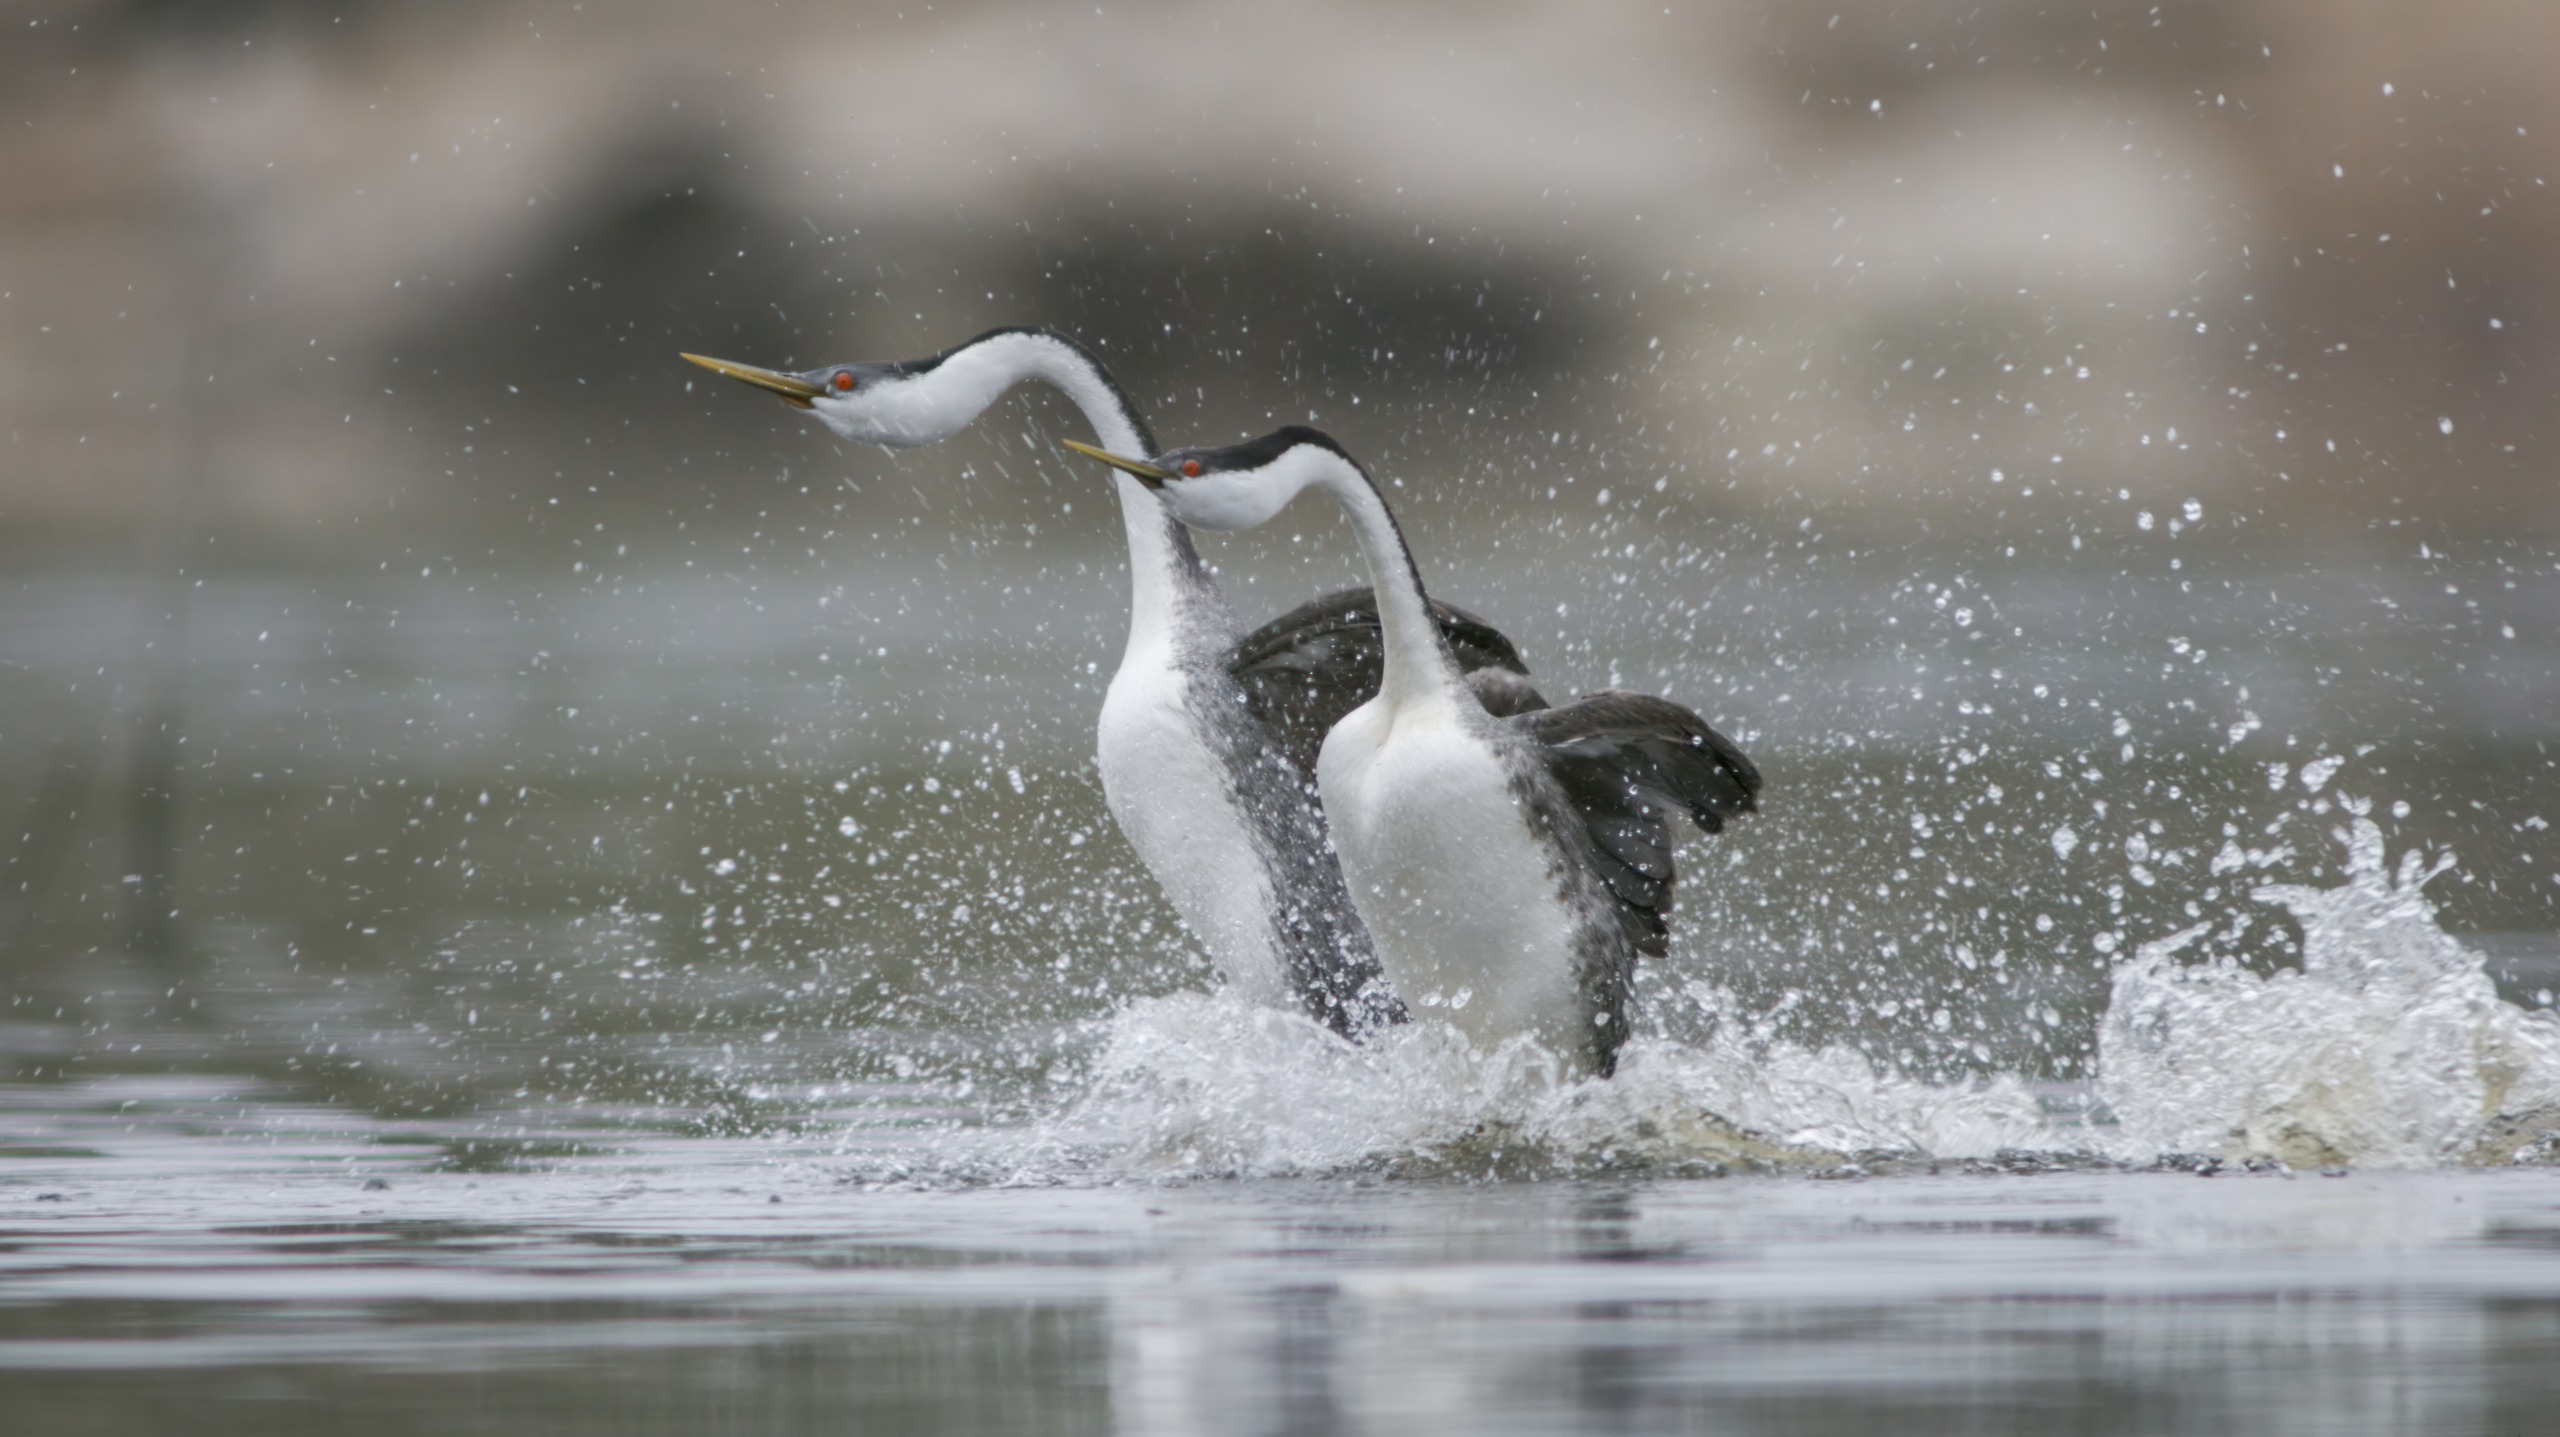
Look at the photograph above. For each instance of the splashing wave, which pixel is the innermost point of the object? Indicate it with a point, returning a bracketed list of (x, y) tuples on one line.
[(1201, 1084), (2389, 1048)]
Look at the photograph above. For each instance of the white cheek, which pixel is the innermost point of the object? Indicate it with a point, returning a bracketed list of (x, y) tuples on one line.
[(1222, 503), (845, 419), (897, 417)]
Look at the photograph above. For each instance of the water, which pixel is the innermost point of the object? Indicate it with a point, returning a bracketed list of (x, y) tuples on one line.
[(667, 1000), (232, 1261)]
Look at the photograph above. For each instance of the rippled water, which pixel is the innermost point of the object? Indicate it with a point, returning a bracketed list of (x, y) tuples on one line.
[(188, 1258), (666, 1001)]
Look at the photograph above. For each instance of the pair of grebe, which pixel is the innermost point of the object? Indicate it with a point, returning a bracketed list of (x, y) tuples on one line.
[(1497, 861)]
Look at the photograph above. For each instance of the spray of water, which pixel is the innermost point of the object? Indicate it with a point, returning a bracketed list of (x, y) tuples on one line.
[(2390, 1047), (1197, 1084)]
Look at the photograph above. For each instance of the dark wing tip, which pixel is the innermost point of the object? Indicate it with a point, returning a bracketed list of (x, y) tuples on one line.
[(1660, 746)]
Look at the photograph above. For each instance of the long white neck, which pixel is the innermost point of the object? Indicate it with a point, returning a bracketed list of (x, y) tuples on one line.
[(970, 379), (1170, 591), (1169, 588), (1419, 667)]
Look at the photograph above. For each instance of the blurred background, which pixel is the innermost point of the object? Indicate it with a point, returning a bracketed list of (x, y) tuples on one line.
[(2055, 439)]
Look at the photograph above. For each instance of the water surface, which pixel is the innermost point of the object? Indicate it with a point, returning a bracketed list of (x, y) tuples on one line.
[(176, 1256)]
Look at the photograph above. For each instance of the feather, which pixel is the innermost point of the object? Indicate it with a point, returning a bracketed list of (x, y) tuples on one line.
[(1632, 764), (1307, 668)]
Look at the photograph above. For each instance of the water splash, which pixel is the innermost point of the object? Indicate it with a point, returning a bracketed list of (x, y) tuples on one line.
[(1206, 1085), (2389, 1048)]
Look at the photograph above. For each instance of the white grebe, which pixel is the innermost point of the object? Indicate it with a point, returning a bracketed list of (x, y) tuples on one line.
[(1207, 740), (1511, 869)]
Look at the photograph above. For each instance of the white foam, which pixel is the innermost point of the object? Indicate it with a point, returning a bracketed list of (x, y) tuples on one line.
[(1204, 1084), (2389, 1048)]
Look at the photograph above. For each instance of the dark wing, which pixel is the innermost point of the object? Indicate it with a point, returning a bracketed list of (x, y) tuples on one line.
[(1307, 668), (1630, 764)]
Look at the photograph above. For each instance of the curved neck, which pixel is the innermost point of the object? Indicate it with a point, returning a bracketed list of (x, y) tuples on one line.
[(1419, 666), (979, 372), (1169, 588)]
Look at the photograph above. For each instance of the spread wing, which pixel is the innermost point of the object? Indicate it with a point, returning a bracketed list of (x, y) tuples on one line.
[(1307, 668), (1632, 764)]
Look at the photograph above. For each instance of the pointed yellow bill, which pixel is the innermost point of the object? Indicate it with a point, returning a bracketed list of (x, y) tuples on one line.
[(1150, 474), (794, 390)]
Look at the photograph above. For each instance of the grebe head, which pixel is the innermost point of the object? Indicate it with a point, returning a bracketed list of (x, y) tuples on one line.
[(1238, 486), (895, 405)]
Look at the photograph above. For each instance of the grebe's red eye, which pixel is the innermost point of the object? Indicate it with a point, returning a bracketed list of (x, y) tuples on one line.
[(1190, 468), (843, 381)]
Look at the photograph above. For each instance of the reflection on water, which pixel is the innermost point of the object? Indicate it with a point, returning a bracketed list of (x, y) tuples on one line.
[(190, 1256)]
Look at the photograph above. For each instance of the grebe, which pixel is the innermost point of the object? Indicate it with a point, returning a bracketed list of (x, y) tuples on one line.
[(1208, 737), (1511, 869)]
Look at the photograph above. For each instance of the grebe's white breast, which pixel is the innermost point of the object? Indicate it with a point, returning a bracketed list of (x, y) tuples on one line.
[(1460, 893), (1175, 802)]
